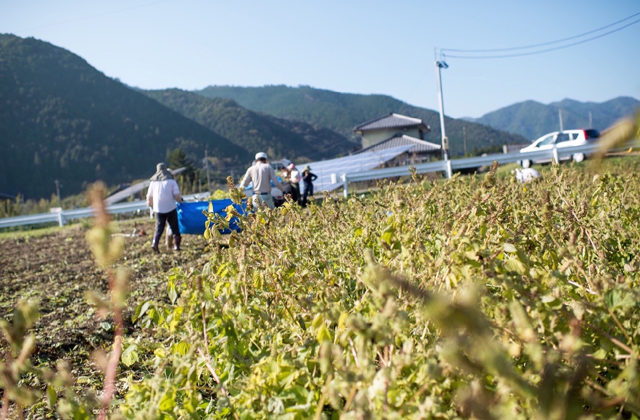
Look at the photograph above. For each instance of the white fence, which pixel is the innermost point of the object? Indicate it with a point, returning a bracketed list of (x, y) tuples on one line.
[(448, 166), (63, 216)]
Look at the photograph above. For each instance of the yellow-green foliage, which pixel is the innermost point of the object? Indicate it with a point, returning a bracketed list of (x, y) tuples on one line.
[(476, 297)]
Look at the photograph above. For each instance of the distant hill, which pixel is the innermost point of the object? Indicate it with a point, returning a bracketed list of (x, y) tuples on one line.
[(62, 119), (253, 131), (343, 111), (532, 119)]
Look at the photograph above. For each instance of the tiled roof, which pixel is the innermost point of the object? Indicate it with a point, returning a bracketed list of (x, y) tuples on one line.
[(391, 121), (419, 146)]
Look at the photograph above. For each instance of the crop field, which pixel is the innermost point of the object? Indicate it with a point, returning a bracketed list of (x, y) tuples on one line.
[(475, 297)]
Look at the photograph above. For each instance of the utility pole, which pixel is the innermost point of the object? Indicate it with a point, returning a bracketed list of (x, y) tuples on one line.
[(58, 192), (590, 120), (206, 162), (445, 141), (464, 137), (560, 115)]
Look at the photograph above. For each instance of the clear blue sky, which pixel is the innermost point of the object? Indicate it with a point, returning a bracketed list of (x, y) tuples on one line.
[(347, 46)]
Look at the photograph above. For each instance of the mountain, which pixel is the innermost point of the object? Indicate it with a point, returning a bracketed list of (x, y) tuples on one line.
[(532, 119), (62, 119), (254, 131), (343, 111)]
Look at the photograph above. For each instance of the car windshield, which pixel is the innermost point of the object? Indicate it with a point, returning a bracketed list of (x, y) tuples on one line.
[(547, 140)]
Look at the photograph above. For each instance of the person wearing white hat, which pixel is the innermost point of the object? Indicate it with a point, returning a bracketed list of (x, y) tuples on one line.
[(261, 174)]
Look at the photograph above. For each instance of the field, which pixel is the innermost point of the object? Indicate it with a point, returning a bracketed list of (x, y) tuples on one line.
[(474, 297)]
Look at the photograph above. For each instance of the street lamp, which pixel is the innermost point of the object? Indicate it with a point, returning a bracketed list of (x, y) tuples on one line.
[(445, 141)]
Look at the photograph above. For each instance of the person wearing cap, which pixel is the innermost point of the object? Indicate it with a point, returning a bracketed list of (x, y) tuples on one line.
[(294, 180), (308, 179), (162, 196), (261, 174)]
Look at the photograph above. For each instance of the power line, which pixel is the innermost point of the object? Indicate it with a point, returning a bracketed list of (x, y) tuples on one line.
[(545, 43), (542, 51)]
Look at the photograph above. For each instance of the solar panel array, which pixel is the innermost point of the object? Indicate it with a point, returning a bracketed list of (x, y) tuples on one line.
[(324, 169)]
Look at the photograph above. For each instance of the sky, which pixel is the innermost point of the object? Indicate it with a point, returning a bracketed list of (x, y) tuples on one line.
[(365, 47)]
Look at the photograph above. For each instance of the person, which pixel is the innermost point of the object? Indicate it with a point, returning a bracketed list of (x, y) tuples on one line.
[(162, 196), (308, 179), (261, 174), (294, 179), (526, 175)]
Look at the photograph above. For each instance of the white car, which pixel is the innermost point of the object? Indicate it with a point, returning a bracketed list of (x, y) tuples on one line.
[(560, 139)]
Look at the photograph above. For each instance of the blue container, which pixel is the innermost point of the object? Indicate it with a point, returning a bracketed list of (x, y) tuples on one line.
[(191, 219)]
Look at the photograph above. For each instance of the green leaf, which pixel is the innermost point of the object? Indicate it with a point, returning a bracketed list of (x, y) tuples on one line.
[(180, 348), (513, 264), (52, 398), (140, 310), (510, 248), (171, 290), (130, 355), (317, 321), (168, 401), (387, 235), (323, 334)]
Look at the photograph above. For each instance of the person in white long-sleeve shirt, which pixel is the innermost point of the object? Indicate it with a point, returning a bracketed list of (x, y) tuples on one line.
[(261, 174), (162, 196)]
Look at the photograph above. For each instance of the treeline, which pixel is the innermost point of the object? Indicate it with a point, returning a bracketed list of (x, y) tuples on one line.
[(62, 119)]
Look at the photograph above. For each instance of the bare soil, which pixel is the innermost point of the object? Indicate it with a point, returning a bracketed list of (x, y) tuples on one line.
[(58, 269)]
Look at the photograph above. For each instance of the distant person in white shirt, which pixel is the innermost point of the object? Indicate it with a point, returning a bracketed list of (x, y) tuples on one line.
[(162, 196), (294, 178), (261, 174), (526, 175)]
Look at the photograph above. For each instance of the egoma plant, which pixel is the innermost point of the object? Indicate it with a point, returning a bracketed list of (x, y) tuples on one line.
[(477, 297)]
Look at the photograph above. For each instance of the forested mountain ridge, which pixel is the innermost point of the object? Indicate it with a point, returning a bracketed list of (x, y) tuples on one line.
[(533, 119), (343, 111), (62, 119), (254, 131)]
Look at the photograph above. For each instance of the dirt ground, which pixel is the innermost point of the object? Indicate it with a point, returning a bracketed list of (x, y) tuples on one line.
[(57, 269)]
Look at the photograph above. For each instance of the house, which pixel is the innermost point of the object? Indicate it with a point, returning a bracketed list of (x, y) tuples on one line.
[(383, 128), (394, 131)]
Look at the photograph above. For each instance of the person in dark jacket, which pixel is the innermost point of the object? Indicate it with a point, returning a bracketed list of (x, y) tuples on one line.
[(307, 178)]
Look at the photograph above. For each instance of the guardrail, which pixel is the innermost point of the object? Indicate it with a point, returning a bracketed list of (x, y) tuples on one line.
[(448, 166), (61, 217)]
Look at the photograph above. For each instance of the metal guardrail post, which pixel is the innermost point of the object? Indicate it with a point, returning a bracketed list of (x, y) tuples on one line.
[(449, 170), (345, 182), (556, 158)]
